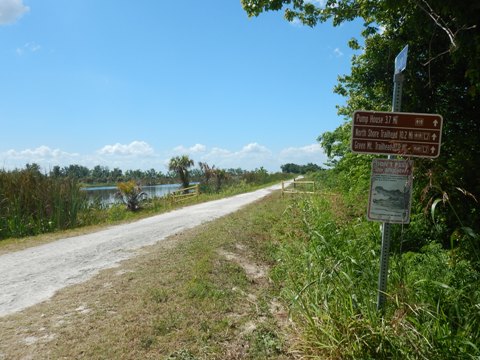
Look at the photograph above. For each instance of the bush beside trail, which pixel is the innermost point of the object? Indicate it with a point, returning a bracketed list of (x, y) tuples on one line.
[(327, 263)]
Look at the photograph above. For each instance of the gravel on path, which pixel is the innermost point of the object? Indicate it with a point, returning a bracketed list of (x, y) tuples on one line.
[(33, 275)]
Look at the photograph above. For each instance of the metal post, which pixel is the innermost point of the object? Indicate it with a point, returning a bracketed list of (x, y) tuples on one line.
[(386, 228), (397, 92), (383, 274)]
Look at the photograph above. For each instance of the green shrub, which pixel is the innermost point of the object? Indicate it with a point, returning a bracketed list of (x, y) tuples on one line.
[(327, 271), (130, 194), (32, 203)]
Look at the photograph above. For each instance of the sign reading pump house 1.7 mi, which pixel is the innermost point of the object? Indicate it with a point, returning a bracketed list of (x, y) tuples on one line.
[(397, 133)]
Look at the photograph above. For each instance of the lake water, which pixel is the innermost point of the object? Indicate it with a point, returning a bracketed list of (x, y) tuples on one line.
[(105, 195)]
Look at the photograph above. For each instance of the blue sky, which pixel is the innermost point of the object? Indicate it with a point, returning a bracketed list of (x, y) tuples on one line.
[(130, 84)]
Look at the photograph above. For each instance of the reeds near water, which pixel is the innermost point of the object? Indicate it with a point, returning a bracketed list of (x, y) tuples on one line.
[(32, 203)]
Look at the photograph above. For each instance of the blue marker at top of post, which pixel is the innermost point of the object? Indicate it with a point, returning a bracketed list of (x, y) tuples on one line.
[(401, 60)]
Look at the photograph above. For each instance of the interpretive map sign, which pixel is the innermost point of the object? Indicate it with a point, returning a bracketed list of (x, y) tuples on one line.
[(397, 133), (390, 191)]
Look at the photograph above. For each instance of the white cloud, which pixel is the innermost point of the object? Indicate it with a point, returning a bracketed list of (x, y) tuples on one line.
[(254, 148), (308, 149), (43, 155), (11, 11), (218, 152), (303, 155), (28, 47), (41, 152), (140, 155), (135, 148), (337, 52), (253, 155), (250, 156), (197, 148)]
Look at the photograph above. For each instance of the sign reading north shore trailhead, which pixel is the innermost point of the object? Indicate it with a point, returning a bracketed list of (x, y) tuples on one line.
[(397, 133), (390, 191)]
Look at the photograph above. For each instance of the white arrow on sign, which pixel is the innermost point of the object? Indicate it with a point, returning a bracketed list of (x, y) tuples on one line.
[(434, 137), (432, 149), (435, 123)]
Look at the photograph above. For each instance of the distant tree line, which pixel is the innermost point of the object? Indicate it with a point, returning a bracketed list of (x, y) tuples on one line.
[(299, 169), (178, 167), (34, 202), (104, 175)]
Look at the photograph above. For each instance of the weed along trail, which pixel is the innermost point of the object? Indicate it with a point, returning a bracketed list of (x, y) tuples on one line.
[(33, 275)]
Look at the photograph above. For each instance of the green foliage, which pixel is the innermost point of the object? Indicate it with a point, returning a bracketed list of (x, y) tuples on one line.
[(103, 175), (131, 194), (336, 143), (220, 176), (217, 176), (441, 77), (327, 269), (257, 176), (180, 165), (291, 168), (265, 344), (234, 181), (32, 203), (351, 175), (181, 355)]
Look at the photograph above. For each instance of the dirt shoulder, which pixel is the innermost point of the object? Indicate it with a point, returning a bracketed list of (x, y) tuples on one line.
[(203, 293)]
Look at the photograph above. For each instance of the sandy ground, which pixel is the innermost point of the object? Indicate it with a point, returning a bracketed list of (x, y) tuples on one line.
[(33, 275)]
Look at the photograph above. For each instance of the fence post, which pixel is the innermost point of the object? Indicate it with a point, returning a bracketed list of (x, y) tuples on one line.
[(197, 189)]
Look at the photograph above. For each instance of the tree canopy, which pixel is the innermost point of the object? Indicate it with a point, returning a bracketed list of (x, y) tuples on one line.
[(442, 76), (299, 169), (180, 165)]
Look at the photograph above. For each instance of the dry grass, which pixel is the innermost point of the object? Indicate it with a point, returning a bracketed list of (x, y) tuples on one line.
[(202, 294)]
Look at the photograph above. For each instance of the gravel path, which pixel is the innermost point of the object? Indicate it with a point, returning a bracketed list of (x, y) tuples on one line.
[(33, 275)]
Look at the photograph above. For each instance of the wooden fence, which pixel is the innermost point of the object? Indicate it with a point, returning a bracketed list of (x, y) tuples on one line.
[(186, 193), (295, 187)]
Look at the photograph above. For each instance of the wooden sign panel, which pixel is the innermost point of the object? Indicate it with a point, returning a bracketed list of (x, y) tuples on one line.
[(397, 133)]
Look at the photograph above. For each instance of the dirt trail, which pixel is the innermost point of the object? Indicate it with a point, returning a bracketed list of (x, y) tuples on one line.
[(33, 275)]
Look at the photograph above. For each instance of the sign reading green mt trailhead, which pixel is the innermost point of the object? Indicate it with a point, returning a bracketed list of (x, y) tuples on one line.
[(397, 133)]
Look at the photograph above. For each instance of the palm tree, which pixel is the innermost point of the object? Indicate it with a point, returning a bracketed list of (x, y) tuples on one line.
[(220, 175), (208, 171), (131, 194), (180, 165)]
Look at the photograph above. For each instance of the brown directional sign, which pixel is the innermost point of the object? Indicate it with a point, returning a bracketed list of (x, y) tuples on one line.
[(397, 133)]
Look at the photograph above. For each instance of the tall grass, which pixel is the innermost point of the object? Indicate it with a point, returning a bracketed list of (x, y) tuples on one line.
[(328, 271), (32, 203)]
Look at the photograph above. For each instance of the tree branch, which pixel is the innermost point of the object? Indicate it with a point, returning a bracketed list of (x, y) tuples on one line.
[(439, 21)]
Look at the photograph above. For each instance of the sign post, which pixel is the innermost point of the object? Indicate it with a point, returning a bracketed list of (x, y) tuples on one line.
[(393, 133), (398, 78)]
